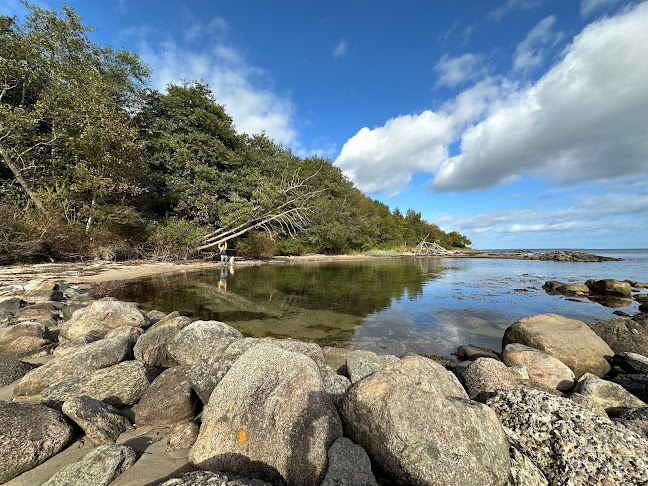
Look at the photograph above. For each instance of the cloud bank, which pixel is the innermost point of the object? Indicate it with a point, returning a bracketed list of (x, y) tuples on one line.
[(584, 119)]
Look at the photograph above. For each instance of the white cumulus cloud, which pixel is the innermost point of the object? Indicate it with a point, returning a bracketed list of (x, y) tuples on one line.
[(242, 88), (585, 119)]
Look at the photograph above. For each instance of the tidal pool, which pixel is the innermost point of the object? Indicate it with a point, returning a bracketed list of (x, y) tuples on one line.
[(425, 305)]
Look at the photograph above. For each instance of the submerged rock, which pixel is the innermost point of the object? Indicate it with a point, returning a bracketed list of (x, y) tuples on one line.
[(609, 286), (414, 418), (569, 256)]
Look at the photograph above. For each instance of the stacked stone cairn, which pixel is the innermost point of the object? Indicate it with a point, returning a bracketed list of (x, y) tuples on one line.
[(118, 388)]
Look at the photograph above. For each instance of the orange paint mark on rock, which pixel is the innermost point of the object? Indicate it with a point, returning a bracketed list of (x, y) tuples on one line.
[(242, 437)]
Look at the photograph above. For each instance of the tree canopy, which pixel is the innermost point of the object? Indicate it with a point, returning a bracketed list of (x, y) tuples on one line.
[(95, 164)]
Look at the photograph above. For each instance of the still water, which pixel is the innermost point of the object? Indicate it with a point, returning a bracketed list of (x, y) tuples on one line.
[(425, 305)]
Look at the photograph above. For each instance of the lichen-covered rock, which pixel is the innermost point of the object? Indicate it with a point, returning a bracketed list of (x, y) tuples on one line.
[(102, 423), (194, 342), (25, 340), (152, 347), (589, 403), (541, 367), (623, 335), (486, 375), (414, 418), (609, 286), (207, 372), (269, 417), (568, 443), (183, 436), (524, 472), (99, 467), (168, 401), (93, 356), (30, 433), (13, 369), (208, 478), (73, 345), (120, 385), (569, 340), (100, 317), (360, 364), (607, 394), (639, 427), (349, 465)]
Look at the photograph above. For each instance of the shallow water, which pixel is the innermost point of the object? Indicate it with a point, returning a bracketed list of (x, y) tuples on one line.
[(424, 305)]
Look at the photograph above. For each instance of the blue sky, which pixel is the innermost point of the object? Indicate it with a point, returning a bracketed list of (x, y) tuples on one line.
[(520, 123)]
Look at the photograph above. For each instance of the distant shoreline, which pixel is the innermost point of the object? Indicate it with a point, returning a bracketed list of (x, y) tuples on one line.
[(89, 274)]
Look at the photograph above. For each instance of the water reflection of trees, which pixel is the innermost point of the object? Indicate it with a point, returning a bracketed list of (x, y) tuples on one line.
[(348, 290)]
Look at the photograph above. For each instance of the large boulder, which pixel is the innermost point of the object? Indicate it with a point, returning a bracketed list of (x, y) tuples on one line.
[(207, 372), (541, 367), (623, 335), (607, 394), (102, 423), (8, 305), (414, 418), (93, 356), (13, 369), (631, 362), (269, 417), (152, 347), (194, 342), (26, 340), (120, 385), (30, 434), (524, 472), (569, 340), (100, 317), (609, 286), (99, 467), (568, 443), (486, 375), (349, 464), (168, 401), (637, 384)]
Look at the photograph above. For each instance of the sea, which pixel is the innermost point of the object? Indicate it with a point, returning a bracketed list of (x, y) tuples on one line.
[(427, 305)]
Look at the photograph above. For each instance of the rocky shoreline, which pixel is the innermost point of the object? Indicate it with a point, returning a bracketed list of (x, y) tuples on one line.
[(98, 392)]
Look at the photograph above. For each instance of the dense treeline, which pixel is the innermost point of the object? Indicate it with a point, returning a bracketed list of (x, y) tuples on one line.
[(95, 165)]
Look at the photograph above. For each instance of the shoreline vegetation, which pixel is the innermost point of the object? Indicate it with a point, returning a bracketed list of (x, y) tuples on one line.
[(95, 391), (96, 165)]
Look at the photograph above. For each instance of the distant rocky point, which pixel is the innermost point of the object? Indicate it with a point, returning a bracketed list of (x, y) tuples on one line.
[(570, 256)]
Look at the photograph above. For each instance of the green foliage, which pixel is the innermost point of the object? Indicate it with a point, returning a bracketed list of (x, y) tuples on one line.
[(93, 165)]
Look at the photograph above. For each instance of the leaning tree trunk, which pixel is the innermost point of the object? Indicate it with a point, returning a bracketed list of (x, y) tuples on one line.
[(21, 180)]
